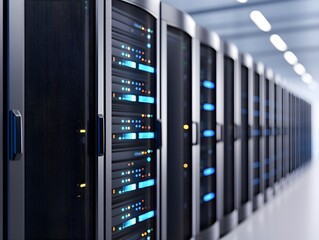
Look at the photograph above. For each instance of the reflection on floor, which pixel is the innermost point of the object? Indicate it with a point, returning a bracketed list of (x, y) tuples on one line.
[(292, 215)]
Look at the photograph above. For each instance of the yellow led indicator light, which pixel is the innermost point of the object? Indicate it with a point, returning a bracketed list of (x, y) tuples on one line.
[(185, 165), (186, 127), (83, 185), (82, 131)]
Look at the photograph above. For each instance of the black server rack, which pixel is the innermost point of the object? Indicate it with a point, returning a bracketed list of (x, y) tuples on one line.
[(303, 140), (286, 151), (135, 135), (229, 204), (246, 167), (180, 137), (206, 190), (268, 130), (256, 132), (278, 151), (309, 131), (52, 111), (298, 133), (291, 134), (294, 133)]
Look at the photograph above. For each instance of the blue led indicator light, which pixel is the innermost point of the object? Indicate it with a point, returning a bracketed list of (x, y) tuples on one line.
[(146, 216), (147, 183), (256, 165), (256, 181), (256, 132), (146, 68), (146, 135), (209, 133), (130, 64), (208, 84), (145, 99), (267, 132), (129, 97), (244, 111), (266, 177), (209, 107), (208, 197), (129, 188), (129, 136), (209, 171), (129, 223)]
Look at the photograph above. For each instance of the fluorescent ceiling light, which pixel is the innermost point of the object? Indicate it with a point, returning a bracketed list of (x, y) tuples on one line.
[(277, 41), (260, 21), (242, 1), (299, 69), (290, 57), (313, 85), (307, 78)]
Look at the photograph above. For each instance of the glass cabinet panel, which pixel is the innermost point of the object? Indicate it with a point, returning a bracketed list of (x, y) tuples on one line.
[(60, 116)]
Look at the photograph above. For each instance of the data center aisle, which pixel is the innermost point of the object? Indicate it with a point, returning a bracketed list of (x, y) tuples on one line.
[(292, 215)]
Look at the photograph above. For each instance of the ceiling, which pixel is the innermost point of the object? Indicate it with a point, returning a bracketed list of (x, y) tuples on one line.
[(296, 21)]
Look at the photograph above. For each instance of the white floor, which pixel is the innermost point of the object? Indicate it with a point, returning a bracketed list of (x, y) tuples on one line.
[(291, 215)]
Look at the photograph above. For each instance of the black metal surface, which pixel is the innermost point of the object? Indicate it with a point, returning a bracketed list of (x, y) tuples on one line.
[(179, 162)]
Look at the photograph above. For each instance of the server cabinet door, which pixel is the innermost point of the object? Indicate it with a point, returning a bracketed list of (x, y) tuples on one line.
[(208, 155), (53, 119), (267, 133), (245, 164), (256, 132), (134, 115), (179, 162), (229, 166)]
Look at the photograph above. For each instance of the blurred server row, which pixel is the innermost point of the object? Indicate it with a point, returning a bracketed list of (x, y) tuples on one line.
[(126, 120)]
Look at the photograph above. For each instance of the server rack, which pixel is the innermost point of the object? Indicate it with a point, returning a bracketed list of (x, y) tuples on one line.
[(135, 120), (246, 167), (298, 134), (258, 139), (230, 165), (286, 151), (268, 131), (206, 177), (180, 123), (296, 140), (309, 131), (291, 134), (278, 118), (52, 112), (303, 131)]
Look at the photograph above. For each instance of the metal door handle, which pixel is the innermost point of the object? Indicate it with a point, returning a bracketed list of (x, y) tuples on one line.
[(100, 135), (15, 135)]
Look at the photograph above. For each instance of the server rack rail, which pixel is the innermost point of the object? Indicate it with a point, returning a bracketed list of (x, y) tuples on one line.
[(258, 139), (180, 118), (246, 162), (206, 190), (230, 161), (268, 133)]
